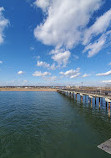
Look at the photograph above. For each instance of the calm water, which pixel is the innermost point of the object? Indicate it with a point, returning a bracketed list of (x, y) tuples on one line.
[(49, 125)]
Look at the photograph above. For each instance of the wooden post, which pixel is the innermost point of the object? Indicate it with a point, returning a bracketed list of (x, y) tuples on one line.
[(109, 105), (81, 98), (91, 100)]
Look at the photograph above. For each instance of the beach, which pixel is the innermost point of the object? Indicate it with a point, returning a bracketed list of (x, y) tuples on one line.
[(28, 89)]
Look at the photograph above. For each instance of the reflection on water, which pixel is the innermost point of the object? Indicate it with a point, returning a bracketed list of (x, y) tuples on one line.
[(109, 112), (48, 124)]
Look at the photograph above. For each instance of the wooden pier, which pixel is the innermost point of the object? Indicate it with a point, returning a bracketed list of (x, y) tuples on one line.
[(82, 94)]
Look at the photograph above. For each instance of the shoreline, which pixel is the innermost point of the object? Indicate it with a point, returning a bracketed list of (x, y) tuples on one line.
[(29, 89)]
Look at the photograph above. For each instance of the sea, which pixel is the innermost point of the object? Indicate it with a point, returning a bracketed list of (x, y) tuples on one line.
[(51, 125)]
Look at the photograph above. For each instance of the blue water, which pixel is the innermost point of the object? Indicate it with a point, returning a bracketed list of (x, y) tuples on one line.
[(50, 125)]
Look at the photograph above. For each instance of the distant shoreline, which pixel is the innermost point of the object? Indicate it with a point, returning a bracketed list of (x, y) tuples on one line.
[(29, 89)]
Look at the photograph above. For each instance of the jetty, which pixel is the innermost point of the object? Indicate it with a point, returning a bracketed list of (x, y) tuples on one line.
[(90, 94)]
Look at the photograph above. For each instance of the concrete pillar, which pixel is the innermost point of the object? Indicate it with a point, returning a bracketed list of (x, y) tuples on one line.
[(69, 94), (89, 99), (95, 100), (72, 95), (76, 96), (99, 102), (85, 98), (91, 102), (106, 104), (109, 112)]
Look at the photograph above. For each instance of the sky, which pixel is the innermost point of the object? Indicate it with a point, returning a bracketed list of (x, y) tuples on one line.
[(55, 42)]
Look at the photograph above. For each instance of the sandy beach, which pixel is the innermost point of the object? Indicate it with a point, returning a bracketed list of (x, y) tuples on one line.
[(28, 89)]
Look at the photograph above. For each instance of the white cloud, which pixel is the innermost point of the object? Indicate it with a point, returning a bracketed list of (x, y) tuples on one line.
[(100, 26), (20, 72), (3, 23), (104, 74), (43, 64), (61, 57), (85, 75), (71, 73), (107, 81), (40, 74), (53, 67), (65, 21), (95, 47), (1, 62), (65, 25), (43, 4), (46, 65)]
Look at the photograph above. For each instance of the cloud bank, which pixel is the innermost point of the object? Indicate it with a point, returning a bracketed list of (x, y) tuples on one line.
[(66, 25), (65, 21)]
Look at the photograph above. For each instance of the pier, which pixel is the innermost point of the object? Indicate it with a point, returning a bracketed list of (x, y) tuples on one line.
[(74, 94)]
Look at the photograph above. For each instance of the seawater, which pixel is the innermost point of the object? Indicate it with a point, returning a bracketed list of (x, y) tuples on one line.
[(50, 125)]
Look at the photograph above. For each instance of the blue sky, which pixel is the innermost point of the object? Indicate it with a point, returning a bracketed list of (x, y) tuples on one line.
[(53, 42)]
